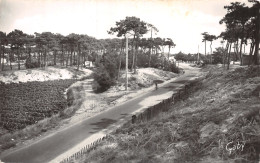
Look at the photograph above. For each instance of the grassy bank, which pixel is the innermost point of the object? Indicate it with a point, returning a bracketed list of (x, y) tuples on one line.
[(219, 122)]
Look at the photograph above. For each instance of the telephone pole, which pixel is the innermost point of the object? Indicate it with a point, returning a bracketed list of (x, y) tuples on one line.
[(126, 63)]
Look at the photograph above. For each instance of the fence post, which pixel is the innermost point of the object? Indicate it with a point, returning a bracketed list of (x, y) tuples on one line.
[(142, 117), (151, 112), (148, 114), (133, 119)]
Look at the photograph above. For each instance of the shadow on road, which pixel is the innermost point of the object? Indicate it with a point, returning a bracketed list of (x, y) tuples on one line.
[(181, 81), (104, 123), (170, 87)]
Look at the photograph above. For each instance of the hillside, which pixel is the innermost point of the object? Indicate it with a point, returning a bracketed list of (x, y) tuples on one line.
[(218, 122)]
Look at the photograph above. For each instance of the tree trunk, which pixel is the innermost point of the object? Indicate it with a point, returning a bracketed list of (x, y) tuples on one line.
[(150, 56), (39, 57), (44, 57), (67, 59), (3, 64), (244, 48), (62, 53), (18, 55), (71, 55), (55, 55), (242, 40), (120, 59), (169, 53), (47, 57), (250, 53), (74, 57), (29, 53), (228, 61), (211, 52), (1, 58), (225, 54), (84, 63), (78, 56), (257, 35), (205, 47), (136, 54), (133, 61), (120, 63), (133, 53), (11, 67)]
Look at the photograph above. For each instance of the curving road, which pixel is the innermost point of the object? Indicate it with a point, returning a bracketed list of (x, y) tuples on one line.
[(49, 148)]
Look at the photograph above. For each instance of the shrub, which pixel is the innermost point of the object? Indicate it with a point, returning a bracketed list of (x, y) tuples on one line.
[(171, 67), (37, 99), (103, 80), (30, 63), (106, 73), (155, 61), (70, 97), (142, 60)]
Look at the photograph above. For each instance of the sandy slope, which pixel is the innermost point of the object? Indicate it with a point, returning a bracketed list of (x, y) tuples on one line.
[(50, 73)]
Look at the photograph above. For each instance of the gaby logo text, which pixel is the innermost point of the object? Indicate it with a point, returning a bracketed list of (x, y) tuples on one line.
[(235, 146)]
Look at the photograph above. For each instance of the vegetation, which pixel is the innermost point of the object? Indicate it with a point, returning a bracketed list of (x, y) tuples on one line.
[(242, 28), (47, 49), (25, 104), (242, 25), (210, 38), (48, 115), (141, 52), (106, 73)]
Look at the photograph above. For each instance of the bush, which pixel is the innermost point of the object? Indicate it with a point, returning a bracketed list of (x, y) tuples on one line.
[(103, 80), (155, 61), (171, 67), (216, 59), (106, 73), (32, 98), (30, 63), (217, 56), (142, 60), (70, 97)]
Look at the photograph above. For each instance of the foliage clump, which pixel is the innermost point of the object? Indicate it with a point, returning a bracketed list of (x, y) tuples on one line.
[(106, 73), (25, 104), (30, 63)]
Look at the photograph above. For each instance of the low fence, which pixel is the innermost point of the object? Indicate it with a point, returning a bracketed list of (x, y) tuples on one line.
[(146, 115), (163, 106), (84, 150)]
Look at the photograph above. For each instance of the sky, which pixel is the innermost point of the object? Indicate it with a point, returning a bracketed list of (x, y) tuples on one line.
[(181, 20)]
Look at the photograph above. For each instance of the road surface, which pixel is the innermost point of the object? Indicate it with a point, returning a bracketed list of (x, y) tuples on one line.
[(55, 145)]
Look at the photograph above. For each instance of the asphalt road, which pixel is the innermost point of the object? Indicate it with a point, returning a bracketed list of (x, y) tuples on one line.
[(50, 147)]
